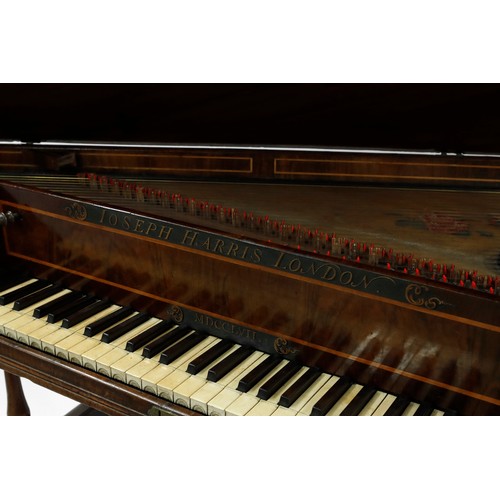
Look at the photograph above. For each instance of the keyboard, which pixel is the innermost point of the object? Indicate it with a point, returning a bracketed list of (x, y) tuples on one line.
[(188, 367)]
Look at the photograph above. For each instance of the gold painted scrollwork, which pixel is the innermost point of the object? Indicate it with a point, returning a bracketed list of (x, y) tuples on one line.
[(176, 313), (414, 292), (76, 211), (281, 346)]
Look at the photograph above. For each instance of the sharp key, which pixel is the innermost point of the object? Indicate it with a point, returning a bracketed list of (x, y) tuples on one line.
[(359, 402), (45, 293), (107, 321), (344, 401), (373, 404), (172, 335), (330, 398), (278, 380), (114, 350), (85, 313), (149, 335), (53, 305), (22, 291), (398, 407), (158, 372), (122, 328), (424, 410), (384, 405), (208, 357), (228, 363), (299, 387), (258, 373), (68, 309), (175, 351)]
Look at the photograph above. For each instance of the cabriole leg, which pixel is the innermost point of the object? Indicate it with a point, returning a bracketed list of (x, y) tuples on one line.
[(16, 402)]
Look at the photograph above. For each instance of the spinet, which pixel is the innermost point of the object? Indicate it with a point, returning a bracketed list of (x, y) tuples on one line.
[(252, 280)]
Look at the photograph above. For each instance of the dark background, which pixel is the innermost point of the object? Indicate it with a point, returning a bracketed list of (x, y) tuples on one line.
[(443, 117)]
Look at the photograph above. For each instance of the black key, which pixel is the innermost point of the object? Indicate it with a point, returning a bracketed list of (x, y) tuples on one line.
[(68, 309), (361, 399), (9, 297), (85, 313), (398, 407), (450, 413), (161, 343), (148, 335), (278, 380), (229, 363), (424, 410), (258, 373), (51, 306), (299, 387), (124, 327), (209, 356), (328, 400), (45, 293), (9, 281), (181, 347), (101, 324)]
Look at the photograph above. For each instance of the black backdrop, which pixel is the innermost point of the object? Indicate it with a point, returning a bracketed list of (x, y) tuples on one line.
[(443, 117)]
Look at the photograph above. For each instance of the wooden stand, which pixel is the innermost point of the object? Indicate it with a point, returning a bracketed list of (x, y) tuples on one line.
[(16, 402)]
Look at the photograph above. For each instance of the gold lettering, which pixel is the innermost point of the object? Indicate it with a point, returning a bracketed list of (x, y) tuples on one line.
[(233, 249), (330, 273), (165, 231), (189, 237), (113, 219), (126, 222), (295, 265), (280, 258), (138, 226), (244, 255), (257, 254), (103, 213), (346, 277), (206, 243), (151, 227), (219, 246)]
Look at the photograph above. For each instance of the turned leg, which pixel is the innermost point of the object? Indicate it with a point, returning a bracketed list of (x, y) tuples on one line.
[(16, 402)]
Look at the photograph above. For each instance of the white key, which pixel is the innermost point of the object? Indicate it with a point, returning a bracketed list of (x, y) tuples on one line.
[(110, 357), (308, 407), (242, 405), (149, 372), (384, 405), (89, 358), (311, 393), (437, 413), (13, 321), (245, 402), (262, 409), (12, 289), (200, 399), (49, 341), (120, 367), (373, 404), (218, 404), (410, 409), (182, 393), (267, 408), (284, 412), (349, 395)]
